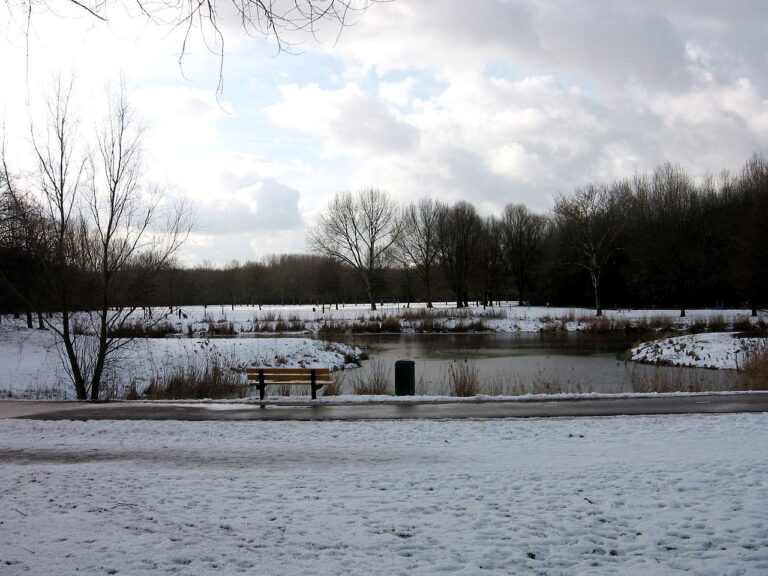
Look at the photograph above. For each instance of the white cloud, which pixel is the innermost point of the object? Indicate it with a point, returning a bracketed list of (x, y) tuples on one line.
[(492, 101)]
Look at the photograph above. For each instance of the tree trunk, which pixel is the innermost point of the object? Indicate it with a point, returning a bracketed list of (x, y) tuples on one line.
[(40, 321), (77, 376), (596, 287), (754, 308), (28, 314)]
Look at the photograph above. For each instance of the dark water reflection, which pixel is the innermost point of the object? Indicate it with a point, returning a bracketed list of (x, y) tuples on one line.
[(519, 363)]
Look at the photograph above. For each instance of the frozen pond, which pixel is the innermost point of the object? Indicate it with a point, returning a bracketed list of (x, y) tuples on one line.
[(518, 363)]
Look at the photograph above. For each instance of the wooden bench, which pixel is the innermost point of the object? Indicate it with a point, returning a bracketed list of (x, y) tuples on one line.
[(263, 377)]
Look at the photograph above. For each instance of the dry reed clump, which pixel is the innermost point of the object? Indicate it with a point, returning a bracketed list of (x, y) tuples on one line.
[(221, 329), (210, 380), (334, 387), (657, 323), (742, 324), (331, 327), (754, 366), (698, 325), (141, 330), (663, 380), (464, 379), (376, 382), (717, 323), (384, 324)]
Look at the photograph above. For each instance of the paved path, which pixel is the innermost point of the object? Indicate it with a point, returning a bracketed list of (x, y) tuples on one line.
[(704, 403)]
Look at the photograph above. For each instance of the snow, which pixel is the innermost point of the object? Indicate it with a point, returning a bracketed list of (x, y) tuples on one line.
[(444, 316), (722, 350), (361, 399), (624, 495), (30, 363)]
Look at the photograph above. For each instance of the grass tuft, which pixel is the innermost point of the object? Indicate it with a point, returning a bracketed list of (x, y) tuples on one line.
[(184, 382), (464, 379)]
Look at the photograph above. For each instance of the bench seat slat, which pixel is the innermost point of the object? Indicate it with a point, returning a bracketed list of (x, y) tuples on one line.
[(300, 383)]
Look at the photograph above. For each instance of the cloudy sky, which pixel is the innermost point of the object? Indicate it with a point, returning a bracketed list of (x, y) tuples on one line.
[(489, 101)]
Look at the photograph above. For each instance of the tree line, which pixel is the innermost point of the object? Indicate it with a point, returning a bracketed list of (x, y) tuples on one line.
[(657, 239)]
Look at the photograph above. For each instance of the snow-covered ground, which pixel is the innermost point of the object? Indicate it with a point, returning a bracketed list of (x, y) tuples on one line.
[(624, 495), (31, 366), (444, 316), (724, 350), (30, 363)]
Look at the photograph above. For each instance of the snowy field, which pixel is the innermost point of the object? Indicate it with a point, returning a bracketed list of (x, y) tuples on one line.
[(624, 495), (31, 366), (722, 350), (505, 318)]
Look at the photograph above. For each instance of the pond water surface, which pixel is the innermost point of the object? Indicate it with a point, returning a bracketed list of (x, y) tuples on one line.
[(520, 363)]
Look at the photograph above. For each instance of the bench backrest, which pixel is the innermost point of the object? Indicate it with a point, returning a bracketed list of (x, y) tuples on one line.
[(272, 375)]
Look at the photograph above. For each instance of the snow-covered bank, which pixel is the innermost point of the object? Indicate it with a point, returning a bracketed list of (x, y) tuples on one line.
[(624, 495), (724, 350), (507, 318), (31, 366)]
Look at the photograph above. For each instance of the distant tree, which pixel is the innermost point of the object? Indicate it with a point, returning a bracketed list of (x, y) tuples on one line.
[(327, 280), (417, 244), (751, 256), (670, 234), (491, 265), (523, 238), (588, 225), (459, 234), (361, 231), (100, 222), (22, 234)]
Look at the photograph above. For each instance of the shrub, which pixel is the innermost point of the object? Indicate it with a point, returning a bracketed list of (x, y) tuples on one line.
[(333, 388), (390, 324), (140, 330), (742, 324), (464, 379), (754, 366), (376, 382), (661, 323), (662, 380), (717, 323), (221, 328), (211, 380), (698, 325), (330, 327)]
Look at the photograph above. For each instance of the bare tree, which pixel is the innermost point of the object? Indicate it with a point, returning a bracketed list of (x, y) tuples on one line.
[(360, 230), (750, 254), (101, 221), (491, 259), (523, 233), (589, 224), (459, 233), (671, 235), (418, 244), (282, 21)]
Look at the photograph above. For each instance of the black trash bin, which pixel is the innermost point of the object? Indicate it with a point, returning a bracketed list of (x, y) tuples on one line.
[(405, 378)]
